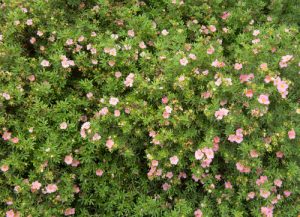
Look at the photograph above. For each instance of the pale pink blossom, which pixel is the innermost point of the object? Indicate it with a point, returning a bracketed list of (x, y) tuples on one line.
[(130, 33), (29, 22), (36, 185), (267, 211), (264, 99), (256, 32), (208, 152), (287, 193), (292, 134), (45, 63), (184, 61), (68, 159), (6, 96), (10, 213), (253, 153), (164, 100), (264, 193), (199, 154), (221, 113), (278, 182), (63, 126), (249, 93), (225, 15), (198, 213), (99, 172), (279, 154), (192, 56), (169, 175), (261, 180), (166, 186), (174, 160), (15, 140), (69, 211), (113, 101), (118, 74), (210, 50), (96, 137), (4, 168), (109, 144), (228, 185), (164, 32), (129, 80), (212, 28), (51, 188), (238, 66), (264, 66), (168, 109), (251, 195)]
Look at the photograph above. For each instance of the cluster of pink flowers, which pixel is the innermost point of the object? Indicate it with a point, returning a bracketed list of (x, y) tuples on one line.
[(267, 211), (246, 78), (285, 60), (110, 51), (129, 80), (154, 171), (113, 101), (167, 112), (66, 63), (221, 113), (218, 64), (243, 169), (206, 155), (237, 137), (84, 127), (7, 136), (69, 160), (261, 180), (238, 66)]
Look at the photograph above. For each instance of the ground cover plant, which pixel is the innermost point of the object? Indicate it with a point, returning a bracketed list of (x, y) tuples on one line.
[(149, 108)]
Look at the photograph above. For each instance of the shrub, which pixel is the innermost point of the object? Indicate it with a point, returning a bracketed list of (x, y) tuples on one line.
[(154, 108)]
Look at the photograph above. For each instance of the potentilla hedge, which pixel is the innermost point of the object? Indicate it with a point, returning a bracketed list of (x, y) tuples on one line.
[(149, 108)]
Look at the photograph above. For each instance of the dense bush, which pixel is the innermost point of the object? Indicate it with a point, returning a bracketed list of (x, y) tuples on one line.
[(154, 108)]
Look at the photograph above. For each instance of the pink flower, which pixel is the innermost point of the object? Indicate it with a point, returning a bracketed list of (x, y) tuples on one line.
[(68, 159), (287, 193), (45, 63), (118, 74), (264, 66), (256, 32), (238, 66), (113, 101), (75, 163), (198, 213), (99, 172), (225, 15), (29, 22), (251, 195), (243, 169), (253, 153), (35, 186), (164, 100), (278, 182), (210, 50), (192, 56), (129, 80), (205, 163), (6, 96), (279, 154), (264, 99), (267, 211), (69, 211), (212, 28), (264, 193), (10, 213), (174, 160), (166, 186), (228, 185), (4, 168), (261, 180), (183, 61), (168, 109), (130, 33), (169, 175), (208, 152), (117, 113), (63, 126), (292, 134), (218, 64), (109, 144), (198, 154), (14, 140), (246, 78), (221, 113), (51, 188), (6, 135), (282, 86), (166, 114), (249, 93)]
